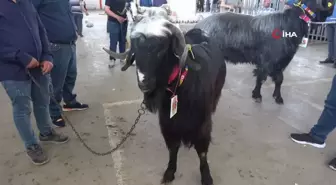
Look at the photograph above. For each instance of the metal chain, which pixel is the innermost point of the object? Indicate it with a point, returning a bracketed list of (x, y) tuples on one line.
[(141, 111)]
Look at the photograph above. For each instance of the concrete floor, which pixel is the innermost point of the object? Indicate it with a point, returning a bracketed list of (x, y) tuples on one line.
[(251, 144)]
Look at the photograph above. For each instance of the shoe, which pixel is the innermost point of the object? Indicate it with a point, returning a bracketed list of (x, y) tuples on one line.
[(306, 139), (112, 63), (59, 122), (332, 164), (75, 106), (37, 156), (327, 61), (54, 137)]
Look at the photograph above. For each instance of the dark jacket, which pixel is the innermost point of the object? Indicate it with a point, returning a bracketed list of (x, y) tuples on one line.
[(22, 37), (58, 20)]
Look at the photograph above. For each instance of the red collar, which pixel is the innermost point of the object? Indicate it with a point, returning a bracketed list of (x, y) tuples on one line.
[(175, 74), (305, 18)]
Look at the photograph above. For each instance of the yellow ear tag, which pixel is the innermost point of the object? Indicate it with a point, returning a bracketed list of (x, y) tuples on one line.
[(191, 52), (329, 4)]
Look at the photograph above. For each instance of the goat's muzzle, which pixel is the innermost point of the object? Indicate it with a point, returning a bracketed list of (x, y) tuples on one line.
[(147, 86)]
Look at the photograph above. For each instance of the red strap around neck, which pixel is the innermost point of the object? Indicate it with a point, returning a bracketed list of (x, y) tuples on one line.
[(174, 74)]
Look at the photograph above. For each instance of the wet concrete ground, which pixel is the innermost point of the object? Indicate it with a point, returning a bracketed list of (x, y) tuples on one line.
[(251, 144)]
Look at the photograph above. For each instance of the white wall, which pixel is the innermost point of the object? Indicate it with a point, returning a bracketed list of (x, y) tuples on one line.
[(94, 4), (184, 8)]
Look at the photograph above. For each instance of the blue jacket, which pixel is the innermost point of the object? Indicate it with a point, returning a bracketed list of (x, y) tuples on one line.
[(58, 20), (22, 37)]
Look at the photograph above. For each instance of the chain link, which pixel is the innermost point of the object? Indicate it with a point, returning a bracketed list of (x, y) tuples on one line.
[(141, 111)]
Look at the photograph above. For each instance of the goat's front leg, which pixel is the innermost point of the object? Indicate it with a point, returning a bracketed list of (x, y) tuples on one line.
[(261, 78), (278, 79), (202, 150), (173, 147)]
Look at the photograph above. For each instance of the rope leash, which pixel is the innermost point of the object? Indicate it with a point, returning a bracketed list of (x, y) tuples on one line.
[(141, 111)]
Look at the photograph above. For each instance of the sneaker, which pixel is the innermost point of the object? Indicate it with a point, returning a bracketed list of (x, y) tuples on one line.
[(327, 61), (37, 156), (74, 106), (59, 122), (54, 137), (307, 139), (332, 164)]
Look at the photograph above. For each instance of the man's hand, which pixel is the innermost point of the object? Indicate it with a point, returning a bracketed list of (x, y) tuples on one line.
[(33, 63), (46, 67), (121, 19)]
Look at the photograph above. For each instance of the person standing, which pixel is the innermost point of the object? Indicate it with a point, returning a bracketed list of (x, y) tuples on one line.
[(116, 25), (61, 30), (331, 36), (23, 48), (325, 125), (78, 7)]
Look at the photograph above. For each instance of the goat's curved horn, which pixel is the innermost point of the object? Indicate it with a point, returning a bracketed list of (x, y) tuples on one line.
[(181, 50), (121, 56), (139, 9)]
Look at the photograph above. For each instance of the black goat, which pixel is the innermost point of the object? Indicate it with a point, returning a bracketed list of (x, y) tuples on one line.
[(248, 39), (163, 62)]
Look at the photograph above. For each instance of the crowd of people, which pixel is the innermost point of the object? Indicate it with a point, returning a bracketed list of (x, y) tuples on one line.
[(31, 45)]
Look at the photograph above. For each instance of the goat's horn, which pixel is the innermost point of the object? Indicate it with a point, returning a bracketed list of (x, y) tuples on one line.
[(121, 56), (181, 50), (139, 9)]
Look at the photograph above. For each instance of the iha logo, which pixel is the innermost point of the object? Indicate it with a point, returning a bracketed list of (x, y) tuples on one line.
[(277, 34)]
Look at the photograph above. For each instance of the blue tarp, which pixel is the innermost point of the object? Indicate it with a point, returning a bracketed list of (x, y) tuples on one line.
[(146, 3)]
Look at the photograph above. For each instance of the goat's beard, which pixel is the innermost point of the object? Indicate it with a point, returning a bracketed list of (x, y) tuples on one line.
[(152, 100)]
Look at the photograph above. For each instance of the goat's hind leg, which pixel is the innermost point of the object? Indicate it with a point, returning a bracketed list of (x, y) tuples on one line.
[(173, 147), (202, 147), (277, 79), (261, 78)]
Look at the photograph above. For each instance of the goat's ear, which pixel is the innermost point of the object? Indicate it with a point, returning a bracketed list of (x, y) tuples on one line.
[(193, 65), (191, 60)]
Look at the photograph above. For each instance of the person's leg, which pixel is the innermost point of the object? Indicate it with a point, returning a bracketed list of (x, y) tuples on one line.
[(330, 37), (326, 123), (19, 93), (122, 37), (41, 99), (62, 55), (333, 44), (80, 24), (114, 31), (69, 97), (327, 120)]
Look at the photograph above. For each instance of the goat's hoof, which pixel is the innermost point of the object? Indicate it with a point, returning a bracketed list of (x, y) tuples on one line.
[(168, 177), (207, 181), (279, 100), (111, 66), (257, 98)]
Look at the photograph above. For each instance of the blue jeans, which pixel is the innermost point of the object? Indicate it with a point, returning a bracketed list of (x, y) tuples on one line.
[(327, 120), (78, 17), (63, 75), (117, 33), (331, 36), (21, 93)]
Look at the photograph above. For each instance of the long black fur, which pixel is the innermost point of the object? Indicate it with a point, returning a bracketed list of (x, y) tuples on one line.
[(197, 100), (248, 39)]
